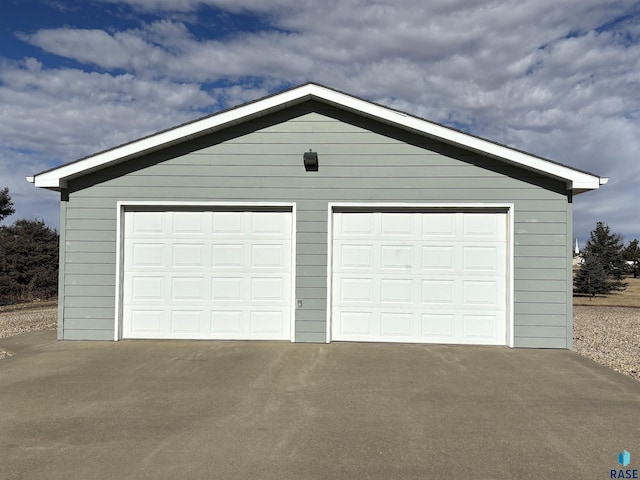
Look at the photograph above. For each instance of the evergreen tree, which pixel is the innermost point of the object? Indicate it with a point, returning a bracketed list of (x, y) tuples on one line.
[(632, 254), (28, 261), (6, 205), (602, 252), (607, 248), (591, 279)]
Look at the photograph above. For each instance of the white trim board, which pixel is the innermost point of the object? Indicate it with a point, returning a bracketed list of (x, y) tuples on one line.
[(508, 208), (576, 180), (126, 204)]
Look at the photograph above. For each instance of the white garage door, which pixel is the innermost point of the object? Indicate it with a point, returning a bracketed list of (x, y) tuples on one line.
[(419, 277), (207, 274)]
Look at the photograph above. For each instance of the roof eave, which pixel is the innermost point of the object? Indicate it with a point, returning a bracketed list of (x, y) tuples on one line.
[(56, 178), (586, 184)]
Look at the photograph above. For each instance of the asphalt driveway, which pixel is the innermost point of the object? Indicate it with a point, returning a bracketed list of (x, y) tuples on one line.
[(271, 410)]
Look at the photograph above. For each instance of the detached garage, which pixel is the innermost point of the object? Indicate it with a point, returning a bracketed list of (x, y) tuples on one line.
[(315, 216)]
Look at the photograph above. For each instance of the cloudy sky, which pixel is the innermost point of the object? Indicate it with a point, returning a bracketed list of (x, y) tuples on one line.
[(557, 79)]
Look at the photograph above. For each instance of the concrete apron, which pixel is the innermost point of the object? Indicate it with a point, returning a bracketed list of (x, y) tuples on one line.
[(276, 410)]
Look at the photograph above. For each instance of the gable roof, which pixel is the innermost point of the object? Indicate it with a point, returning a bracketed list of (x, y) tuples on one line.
[(56, 178)]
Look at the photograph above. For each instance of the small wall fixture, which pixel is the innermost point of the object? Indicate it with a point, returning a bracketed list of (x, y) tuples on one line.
[(310, 161)]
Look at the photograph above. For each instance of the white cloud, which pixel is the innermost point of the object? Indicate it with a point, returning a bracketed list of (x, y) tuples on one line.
[(164, 6), (69, 112), (28, 201), (540, 75)]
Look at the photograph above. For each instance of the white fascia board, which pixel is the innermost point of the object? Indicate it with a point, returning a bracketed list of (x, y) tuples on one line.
[(575, 180), (52, 179)]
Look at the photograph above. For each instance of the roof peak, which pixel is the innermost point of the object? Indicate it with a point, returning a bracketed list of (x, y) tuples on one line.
[(56, 178)]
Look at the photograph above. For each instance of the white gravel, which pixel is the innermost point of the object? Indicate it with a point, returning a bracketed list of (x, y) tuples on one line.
[(607, 335), (18, 319)]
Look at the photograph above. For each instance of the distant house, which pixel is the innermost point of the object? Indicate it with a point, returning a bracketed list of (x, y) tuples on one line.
[(315, 216)]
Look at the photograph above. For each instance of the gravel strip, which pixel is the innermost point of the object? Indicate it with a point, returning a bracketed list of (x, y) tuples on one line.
[(609, 336), (16, 320)]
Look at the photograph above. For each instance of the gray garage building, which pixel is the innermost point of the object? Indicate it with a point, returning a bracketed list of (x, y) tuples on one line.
[(315, 216)]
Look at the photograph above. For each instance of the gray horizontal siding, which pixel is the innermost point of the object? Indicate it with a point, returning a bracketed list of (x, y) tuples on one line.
[(550, 297), (98, 323), (95, 314), (524, 341), (533, 320), (314, 194), (533, 286), (90, 247), (307, 337), (82, 301), (541, 263), (90, 279), (546, 274), (338, 183), (360, 161), (88, 333), (81, 269), (539, 306)]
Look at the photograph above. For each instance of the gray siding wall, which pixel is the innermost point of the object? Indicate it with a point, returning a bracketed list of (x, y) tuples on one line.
[(360, 161)]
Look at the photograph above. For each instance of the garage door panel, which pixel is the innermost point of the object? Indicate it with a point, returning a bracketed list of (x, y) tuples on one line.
[(268, 322), (184, 322), (482, 258), (229, 256), (192, 224), (419, 277), (439, 326), (355, 256), (188, 255), (441, 292), (232, 224), (480, 327), (269, 224), (268, 290), (482, 293), (355, 325), (360, 225), (397, 324), (227, 290), (436, 226), (146, 288), (207, 274), (397, 225), (397, 257), (438, 258), (268, 256), (396, 291), (356, 290), (147, 223), (187, 289), (148, 254), (483, 226), (146, 321), (227, 323)]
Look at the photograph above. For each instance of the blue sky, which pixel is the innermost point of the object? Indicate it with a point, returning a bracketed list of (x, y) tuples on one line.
[(557, 79)]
